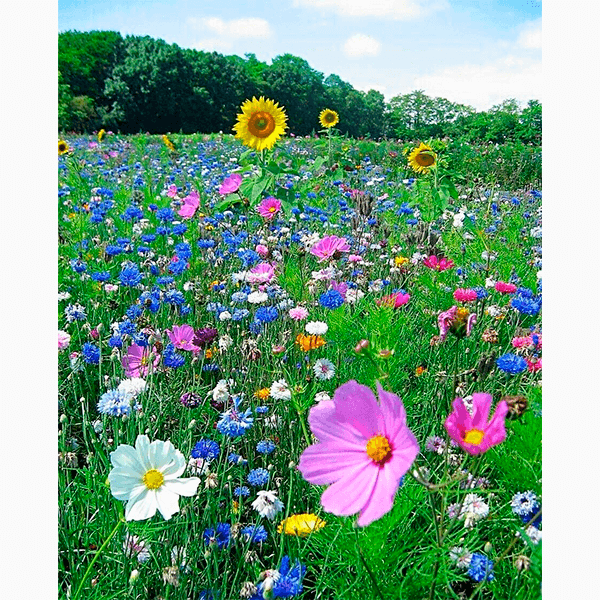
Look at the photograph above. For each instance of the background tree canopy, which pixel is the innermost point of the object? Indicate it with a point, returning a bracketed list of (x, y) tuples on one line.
[(136, 83)]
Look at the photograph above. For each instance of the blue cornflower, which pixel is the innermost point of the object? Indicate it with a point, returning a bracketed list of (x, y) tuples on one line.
[(101, 276), (258, 477), (164, 280), (236, 459), (115, 403), (412, 221), (289, 582), (220, 536), (207, 449), (132, 213), (481, 292), (205, 243), (140, 339), (163, 230), (331, 299), (172, 358), (239, 314), (148, 238), (130, 275), (261, 410), (134, 311), (174, 297), (183, 250), (127, 328), (511, 363), (115, 341), (78, 265), (254, 533), (239, 297), (91, 353), (481, 567), (165, 214), (241, 491), (178, 267), (266, 314), (265, 447), (113, 250), (233, 422), (255, 327), (179, 228), (527, 305), (523, 503)]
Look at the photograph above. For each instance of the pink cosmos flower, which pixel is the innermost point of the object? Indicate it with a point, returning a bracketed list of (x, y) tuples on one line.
[(298, 313), (172, 191), (472, 432), (438, 264), (231, 184), (182, 337), (63, 339), (190, 205), (269, 207), (505, 288), (364, 449), (533, 364), (138, 361), (354, 258), (262, 250), (261, 273), (527, 342), (394, 300), (329, 246), (456, 320), (464, 295)]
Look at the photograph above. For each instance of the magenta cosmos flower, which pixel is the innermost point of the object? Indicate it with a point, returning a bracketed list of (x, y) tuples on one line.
[(231, 184), (269, 207), (465, 295), (261, 273), (473, 433), (138, 361), (394, 300), (505, 288), (364, 449), (457, 321), (182, 337), (329, 246), (438, 264), (190, 205)]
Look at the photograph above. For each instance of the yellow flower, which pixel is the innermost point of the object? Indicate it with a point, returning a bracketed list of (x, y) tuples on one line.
[(400, 260), (329, 118), (260, 124), (422, 158), (301, 525), (63, 147), (309, 342), (262, 394), (168, 143), (101, 134), (420, 370)]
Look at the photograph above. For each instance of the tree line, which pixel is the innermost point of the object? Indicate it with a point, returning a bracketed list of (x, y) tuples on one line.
[(138, 83)]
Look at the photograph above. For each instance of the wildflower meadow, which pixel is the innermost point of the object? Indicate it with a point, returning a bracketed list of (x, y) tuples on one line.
[(300, 367)]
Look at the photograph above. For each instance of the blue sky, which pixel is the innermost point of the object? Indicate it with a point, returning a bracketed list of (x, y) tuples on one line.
[(473, 52)]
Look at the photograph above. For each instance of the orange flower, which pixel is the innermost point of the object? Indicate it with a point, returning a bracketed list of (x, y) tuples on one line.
[(262, 394), (419, 371), (309, 342)]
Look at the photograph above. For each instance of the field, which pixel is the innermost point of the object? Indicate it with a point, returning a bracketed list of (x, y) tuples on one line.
[(217, 298)]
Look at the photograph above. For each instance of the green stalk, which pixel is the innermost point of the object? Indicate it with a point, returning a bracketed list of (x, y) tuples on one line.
[(364, 562)]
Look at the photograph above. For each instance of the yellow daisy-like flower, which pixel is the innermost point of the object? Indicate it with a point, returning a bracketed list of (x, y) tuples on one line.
[(301, 525), (168, 143), (63, 147), (400, 260), (262, 394), (101, 135), (328, 118), (422, 158), (260, 124)]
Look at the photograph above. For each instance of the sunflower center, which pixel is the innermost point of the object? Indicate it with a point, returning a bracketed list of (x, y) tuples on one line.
[(473, 436), (329, 117), (261, 124), (153, 479), (378, 448), (424, 159)]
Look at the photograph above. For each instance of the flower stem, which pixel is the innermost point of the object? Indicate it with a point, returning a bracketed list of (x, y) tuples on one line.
[(98, 553), (364, 562)]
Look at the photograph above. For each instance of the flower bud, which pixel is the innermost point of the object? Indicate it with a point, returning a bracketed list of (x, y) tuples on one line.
[(487, 548), (63, 418), (361, 346), (134, 576)]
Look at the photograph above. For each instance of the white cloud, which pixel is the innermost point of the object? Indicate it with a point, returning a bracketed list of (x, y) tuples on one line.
[(531, 35), (250, 27), (482, 86), (399, 10), (361, 45)]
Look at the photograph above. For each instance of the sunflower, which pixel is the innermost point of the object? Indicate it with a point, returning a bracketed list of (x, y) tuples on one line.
[(63, 147), (329, 118), (260, 124), (422, 158)]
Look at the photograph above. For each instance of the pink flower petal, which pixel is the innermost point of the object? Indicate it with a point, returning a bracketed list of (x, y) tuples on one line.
[(322, 464), (355, 404), (350, 494), (481, 410)]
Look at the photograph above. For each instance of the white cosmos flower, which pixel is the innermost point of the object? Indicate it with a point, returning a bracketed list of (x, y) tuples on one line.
[(316, 328), (148, 478)]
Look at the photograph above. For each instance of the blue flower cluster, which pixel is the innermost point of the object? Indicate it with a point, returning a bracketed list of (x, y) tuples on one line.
[(220, 536), (206, 449), (331, 299), (481, 567), (258, 477), (511, 363)]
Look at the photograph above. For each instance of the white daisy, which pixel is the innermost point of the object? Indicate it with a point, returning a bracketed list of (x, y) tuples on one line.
[(148, 478), (316, 328), (280, 390), (267, 504)]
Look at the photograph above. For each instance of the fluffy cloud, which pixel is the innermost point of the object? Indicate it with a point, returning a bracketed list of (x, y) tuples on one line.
[(482, 86), (399, 10), (250, 27), (531, 35), (361, 45)]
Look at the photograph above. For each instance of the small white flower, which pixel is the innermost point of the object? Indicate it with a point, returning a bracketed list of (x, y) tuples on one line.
[(132, 387), (460, 556), (534, 534), (225, 316), (354, 295), (198, 466), (267, 504), (221, 391), (225, 342), (148, 478), (322, 397), (324, 369), (316, 328), (258, 297), (280, 390)]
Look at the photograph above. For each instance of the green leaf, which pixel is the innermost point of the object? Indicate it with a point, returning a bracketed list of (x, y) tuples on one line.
[(319, 161)]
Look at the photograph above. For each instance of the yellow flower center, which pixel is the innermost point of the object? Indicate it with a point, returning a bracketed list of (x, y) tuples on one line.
[(272, 209), (378, 448), (473, 436), (144, 361), (153, 479), (462, 314), (261, 124)]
